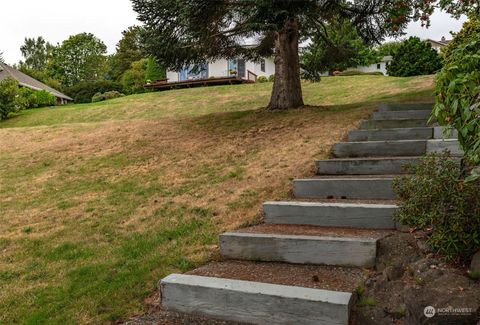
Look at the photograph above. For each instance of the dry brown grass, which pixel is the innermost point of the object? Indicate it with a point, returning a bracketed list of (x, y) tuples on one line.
[(93, 214)]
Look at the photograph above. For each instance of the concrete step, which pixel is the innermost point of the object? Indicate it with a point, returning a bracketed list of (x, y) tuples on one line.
[(402, 148), (254, 302), (363, 188), (400, 115), (405, 107), (393, 124), (364, 216), (452, 145), (391, 134), (292, 246), (365, 166)]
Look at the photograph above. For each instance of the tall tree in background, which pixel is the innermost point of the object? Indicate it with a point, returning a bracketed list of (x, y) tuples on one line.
[(388, 48), (80, 58), (129, 50), (36, 52), (336, 47)]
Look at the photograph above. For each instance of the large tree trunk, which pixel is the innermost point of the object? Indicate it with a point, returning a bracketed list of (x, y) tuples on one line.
[(287, 89)]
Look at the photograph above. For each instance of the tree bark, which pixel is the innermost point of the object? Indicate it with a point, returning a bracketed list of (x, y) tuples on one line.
[(287, 89)]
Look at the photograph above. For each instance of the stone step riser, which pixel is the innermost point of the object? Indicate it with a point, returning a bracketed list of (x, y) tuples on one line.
[(254, 303), (394, 115), (405, 107), (380, 149), (364, 166), (365, 216), (340, 251), (391, 134), (392, 124), (345, 188)]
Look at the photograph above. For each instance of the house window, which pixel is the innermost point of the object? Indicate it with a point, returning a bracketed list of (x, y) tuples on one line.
[(237, 68), (379, 66), (262, 65)]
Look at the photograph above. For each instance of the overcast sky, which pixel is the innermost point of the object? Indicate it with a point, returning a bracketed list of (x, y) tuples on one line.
[(55, 20)]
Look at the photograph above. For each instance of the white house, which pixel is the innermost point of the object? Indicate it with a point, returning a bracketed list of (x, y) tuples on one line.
[(438, 45), (241, 68), (376, 67)]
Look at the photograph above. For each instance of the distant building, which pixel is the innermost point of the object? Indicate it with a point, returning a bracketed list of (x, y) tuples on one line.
[(438, 45), (222, 68), (380, 66), (29, 82)]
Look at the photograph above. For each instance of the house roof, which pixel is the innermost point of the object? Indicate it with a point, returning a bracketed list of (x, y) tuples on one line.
[(27, 81), (442, 42)]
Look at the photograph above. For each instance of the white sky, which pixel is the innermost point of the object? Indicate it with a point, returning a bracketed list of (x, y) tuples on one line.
[(56, 20)]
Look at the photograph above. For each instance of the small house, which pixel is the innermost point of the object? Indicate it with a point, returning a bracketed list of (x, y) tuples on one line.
[(380, 66), (29, 82), (225, 68)]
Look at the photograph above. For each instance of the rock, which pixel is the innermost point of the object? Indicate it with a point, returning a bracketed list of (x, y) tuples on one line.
[(475, 265), (393, 272)]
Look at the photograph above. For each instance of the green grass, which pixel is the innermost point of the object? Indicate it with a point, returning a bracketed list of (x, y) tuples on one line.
[(100, 201), (201, 101)]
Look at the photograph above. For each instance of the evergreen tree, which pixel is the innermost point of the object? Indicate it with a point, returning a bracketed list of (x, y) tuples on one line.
[(336, 47), (154, 71), (129, 50), (182, 32)]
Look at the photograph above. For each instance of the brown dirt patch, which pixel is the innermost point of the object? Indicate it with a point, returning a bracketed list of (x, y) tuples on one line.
[(316, 231)]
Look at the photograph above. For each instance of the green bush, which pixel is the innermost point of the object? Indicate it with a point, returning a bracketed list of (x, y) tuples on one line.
[(10, 99), (134, 79), (36, 98), (84, 91), (271, 78), (113, 94), (470, 29), (44, 98), (458, 93), (262, 79), (98, 97), (414, 57), (436, 199)]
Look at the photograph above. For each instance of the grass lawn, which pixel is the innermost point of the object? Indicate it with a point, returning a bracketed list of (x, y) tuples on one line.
[(100, 201)]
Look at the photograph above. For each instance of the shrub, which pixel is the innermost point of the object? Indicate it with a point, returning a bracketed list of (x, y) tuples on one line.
[(10, 99), (84, 91), (271, 78), (134, 79), (262, 79), (98, 97), (458, 93), (470, 29), (113, 94), (413, 58), (436, 198), (44, 98), (36, 98)]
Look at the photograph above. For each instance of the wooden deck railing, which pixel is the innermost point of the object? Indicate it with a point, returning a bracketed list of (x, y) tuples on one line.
[(251, 76)]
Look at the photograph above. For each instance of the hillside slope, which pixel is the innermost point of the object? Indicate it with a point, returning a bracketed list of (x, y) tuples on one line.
[(100, 201)]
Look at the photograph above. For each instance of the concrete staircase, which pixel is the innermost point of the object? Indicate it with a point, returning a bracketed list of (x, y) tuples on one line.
[(318, 228)]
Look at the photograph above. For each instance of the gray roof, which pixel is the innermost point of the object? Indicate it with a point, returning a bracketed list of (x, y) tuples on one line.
[(27, 81)]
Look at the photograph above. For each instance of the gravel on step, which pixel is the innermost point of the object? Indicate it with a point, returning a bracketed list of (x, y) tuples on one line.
[(300, 230), (310, 276)]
